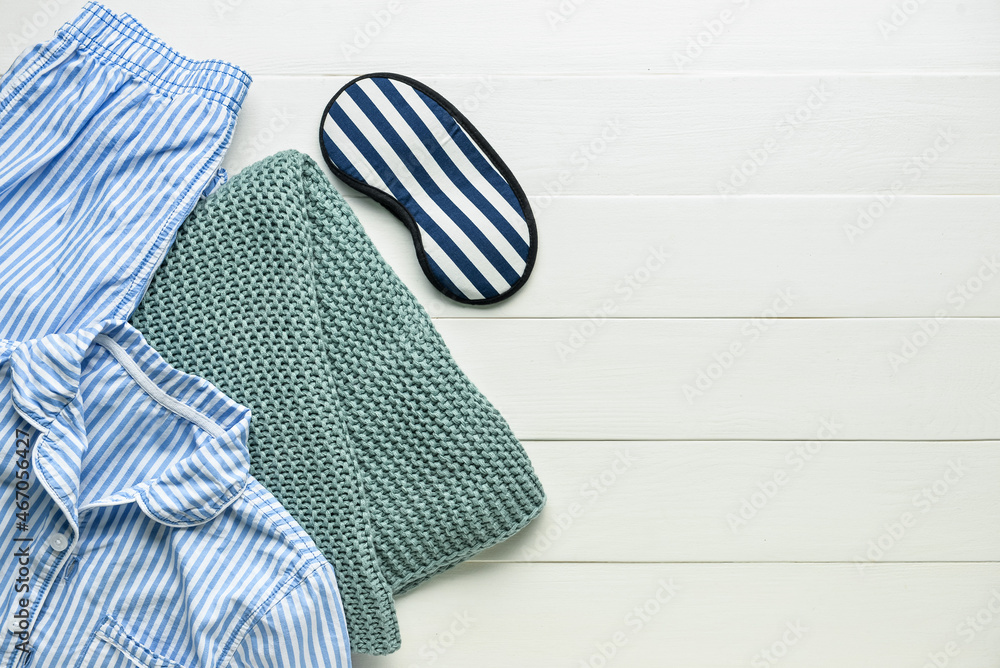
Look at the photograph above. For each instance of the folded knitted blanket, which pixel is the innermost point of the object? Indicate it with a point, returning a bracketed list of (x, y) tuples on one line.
[(363, 425)]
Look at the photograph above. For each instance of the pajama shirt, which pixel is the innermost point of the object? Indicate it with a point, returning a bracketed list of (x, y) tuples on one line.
[(133, 534)]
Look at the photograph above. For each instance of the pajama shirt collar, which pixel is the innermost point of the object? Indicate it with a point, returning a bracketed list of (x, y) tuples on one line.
[(188, 490)]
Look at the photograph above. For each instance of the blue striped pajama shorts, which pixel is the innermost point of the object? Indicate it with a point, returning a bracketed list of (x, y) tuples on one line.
[(108, 137)]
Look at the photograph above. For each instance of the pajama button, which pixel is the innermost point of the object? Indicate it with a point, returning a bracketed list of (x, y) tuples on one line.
[(58, 542), (14, 625)]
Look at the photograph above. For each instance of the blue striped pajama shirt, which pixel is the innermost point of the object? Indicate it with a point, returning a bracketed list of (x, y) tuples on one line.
[(146, 542), (133, 534)]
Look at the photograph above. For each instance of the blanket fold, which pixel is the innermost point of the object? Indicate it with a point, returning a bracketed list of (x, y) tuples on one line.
[(363, 425)]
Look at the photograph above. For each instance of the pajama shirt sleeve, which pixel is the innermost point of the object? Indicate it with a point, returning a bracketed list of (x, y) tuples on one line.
[(304, 629)]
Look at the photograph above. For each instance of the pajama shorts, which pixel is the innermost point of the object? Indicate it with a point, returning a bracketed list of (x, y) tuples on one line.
[(108, 137)]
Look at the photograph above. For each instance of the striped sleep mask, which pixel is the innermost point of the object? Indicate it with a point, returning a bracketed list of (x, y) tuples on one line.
[(412, 151)]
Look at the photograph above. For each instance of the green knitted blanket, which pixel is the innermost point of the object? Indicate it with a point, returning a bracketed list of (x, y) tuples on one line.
[(363, 425)]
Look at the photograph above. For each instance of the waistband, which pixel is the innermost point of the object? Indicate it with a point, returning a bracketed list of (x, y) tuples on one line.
[(124, 42)]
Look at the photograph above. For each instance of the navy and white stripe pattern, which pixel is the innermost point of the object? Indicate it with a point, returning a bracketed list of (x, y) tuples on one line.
[(107, 139), (398, 141), (150, 543)]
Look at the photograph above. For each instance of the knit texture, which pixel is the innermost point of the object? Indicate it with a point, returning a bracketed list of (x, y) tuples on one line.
[(363, 425)]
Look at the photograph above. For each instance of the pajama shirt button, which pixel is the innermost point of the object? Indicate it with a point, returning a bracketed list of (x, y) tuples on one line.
[(58, 542), (14, 625)]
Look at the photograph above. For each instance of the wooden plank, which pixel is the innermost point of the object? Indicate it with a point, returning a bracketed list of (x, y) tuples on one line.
[(708, 257), (557, 36), (694, 615), (686, 501), (731, 136), (760, 378)]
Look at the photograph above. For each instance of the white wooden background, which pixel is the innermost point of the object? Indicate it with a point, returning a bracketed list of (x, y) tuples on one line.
[(828, 495)]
